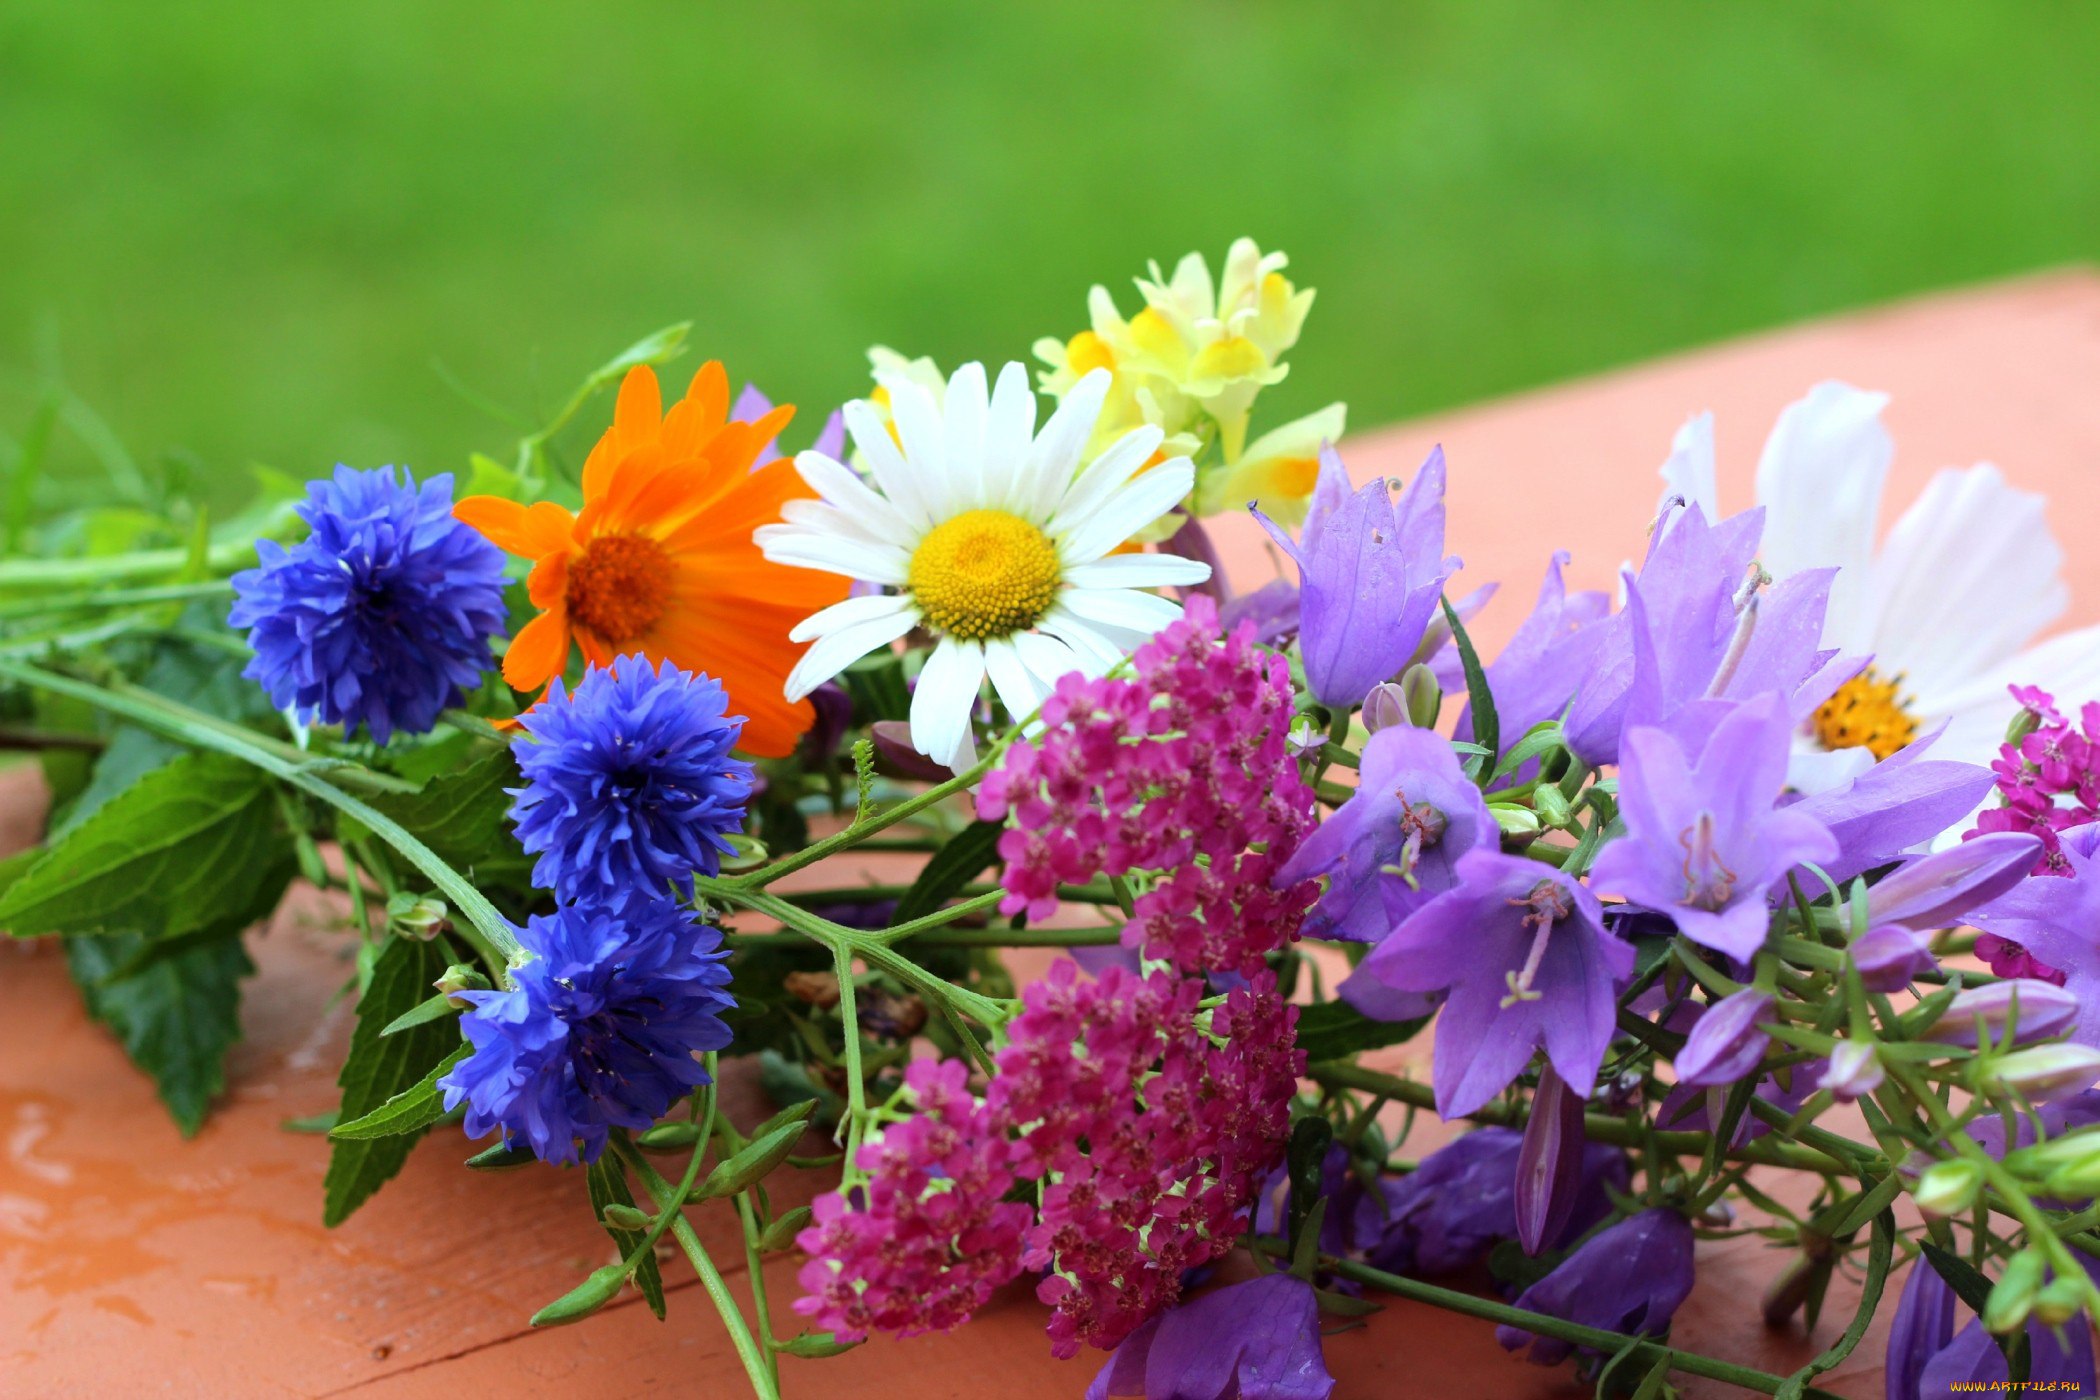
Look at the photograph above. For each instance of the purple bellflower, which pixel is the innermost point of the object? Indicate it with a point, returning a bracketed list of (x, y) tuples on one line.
[(1258, 1340), (1522, 952), (1726, 1042), (1630, 1277), (1414, 812), (1538, 672), (1461, 1202), (2056, 919), (752, 404), (382, 615), (1928, 1358), (1371, 572), (1704, 842), (1895, 806)]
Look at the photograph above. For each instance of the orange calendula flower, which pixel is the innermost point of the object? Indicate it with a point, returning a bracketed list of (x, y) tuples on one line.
[(660, 559)]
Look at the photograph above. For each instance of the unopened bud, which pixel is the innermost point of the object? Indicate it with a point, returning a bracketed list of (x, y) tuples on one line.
[(419, 918), (2060, 1300), (460, 978), (1514, 820), (1424, 697), (621, 1217), (2023, 724), (1552, 806), (1891, 957), (1854, 1071), (2012, 1297), (2068, 1167), (2027, 1006), (2044, 1072), (1304, 737), (745, 852), (1385, 707), (1726, 1042), (1948, 1188)]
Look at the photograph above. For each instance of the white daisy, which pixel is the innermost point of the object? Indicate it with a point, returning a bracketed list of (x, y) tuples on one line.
[(1949, 606), (989, 535)]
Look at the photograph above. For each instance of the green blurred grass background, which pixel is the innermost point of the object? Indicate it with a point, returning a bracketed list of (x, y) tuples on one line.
[(248, 231)]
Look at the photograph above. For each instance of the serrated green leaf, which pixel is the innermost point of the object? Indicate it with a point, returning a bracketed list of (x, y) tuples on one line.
[(1334, 1030), (465, 816), (417, 1106), (608, 1188), (192, 844), (176, 1016), (380, 1066), (967, 853), (433, 1008)]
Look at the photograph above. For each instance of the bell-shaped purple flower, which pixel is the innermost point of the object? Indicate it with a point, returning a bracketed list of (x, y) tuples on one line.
[(2056, 918), (1461, 1202), (1414, 811), (1928, 1358), (1704, 842), (1725, 1042), (1549, 1164), (1538, 672), (1894, 807), (1629, 1278), (1371, 571), (1523, 955), (1258, 1340)]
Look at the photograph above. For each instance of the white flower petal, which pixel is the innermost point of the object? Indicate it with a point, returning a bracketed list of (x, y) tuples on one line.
[(1019, 691), (963, 423), (848, 613), (1969, 575), (945, 696), (836, 650), (1049, 657), (1093, 651), (2066, 666), (1689, 472), (925, 437), (895, 479), (1120, 612), (1134, 506), (1009, 431), (1138, 571), (842, 487), (834, 554), (1036, 490), (817, 518), (1820, 481), (1123, 459), (1811, 768)]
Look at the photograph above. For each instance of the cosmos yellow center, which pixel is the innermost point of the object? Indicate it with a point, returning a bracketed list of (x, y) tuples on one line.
[(1866, 713), (620, 587), (984, 574)]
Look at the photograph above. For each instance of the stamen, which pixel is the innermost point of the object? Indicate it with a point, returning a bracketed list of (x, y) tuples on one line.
[(1708, 882), (1548, 903)]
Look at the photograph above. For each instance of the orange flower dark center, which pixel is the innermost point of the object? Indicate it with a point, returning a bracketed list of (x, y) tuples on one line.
[(620, 587)]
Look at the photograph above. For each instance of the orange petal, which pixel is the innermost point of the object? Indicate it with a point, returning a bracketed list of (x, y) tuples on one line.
[(548, 581), (531, 532), (709, 396), (639, 413), (539, 651)]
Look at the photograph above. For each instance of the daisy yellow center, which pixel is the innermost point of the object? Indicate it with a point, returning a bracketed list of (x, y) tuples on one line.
[(1866, 713), (620, 587), (984, 574)]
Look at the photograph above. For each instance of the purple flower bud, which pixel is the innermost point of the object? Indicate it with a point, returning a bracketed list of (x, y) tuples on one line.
[(834, 715), (1935, 890), (2032, 1009), (1385, 706), (1853, 1072), (895, 755), (1726, 1043), (1549, 1164), (1629, 1278), (1891, 956)]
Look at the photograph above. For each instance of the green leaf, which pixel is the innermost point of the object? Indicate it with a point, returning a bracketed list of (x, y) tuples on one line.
[(415, 1107), (1487, 729), (1334, 1030), (608, 1188), (193, 844), (967, 854), (380, 1066), (464, 817), (176, 1016), (311, 1123), (876, 686), (502, 1157), (433, 1008), (1969, 1285)]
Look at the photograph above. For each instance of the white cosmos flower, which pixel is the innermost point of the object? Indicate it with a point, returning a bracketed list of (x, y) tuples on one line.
[(1948, 607), (989, 535)]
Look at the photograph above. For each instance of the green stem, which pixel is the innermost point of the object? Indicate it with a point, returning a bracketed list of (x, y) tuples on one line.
[(118, 568), (485, 928), (92, 598)]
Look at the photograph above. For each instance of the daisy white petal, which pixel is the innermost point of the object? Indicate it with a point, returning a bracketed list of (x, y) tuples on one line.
[(1041, 483), (1820, 481), (1010, 429), (893, 477), (1092, 649), (838, 484), (834, 651), (963, 427), (848, 613), (818, 518), (1016, 688), (1138, 571), (945, 695), (1123, 609), (1149, 496), (925, 439), (832, 554), (1094, 486), (1049, 657)]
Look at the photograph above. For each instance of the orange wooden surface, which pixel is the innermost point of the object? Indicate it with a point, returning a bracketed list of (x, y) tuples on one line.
[(132, 1262)]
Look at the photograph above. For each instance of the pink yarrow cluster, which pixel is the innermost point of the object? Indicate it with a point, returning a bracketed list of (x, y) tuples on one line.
[(2048, 782), (1153, 1143), (927, 1237), (1184, 771)]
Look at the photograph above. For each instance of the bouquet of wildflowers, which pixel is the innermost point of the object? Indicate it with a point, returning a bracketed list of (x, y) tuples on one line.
[(1763, 897)]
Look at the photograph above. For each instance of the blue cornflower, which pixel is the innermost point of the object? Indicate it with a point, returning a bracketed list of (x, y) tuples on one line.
[(597, 1029), (382, 615), (629, 786)]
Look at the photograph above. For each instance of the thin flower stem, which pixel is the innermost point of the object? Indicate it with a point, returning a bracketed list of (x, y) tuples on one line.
[(91, 599), (761, 1313), (856, 1075), (747, 1349)]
